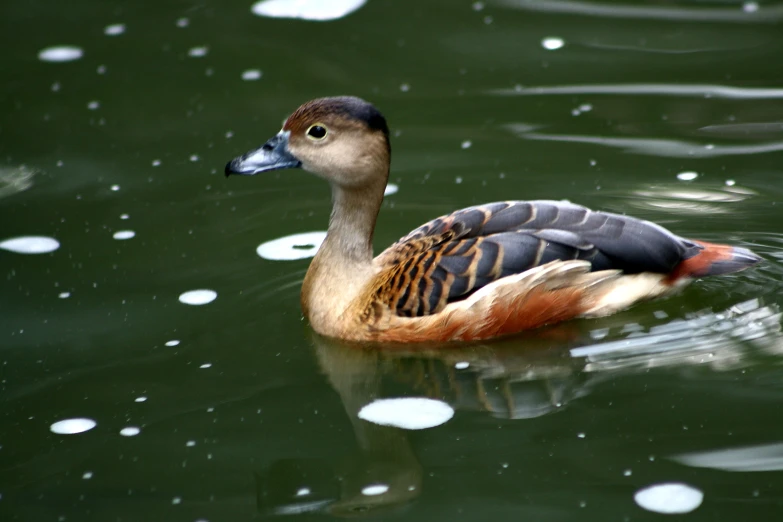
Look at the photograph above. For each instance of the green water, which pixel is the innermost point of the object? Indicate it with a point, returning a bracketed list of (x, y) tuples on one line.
[(250, 409)]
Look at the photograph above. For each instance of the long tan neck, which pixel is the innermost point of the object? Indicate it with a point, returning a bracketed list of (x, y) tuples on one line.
[(343, 265)]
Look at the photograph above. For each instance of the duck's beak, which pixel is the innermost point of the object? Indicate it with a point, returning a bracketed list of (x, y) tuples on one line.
[(272, 155)]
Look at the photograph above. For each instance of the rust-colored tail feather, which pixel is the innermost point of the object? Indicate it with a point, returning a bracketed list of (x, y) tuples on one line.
[(715, 259)]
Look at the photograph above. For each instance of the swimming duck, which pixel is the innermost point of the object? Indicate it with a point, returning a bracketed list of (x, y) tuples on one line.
[(477, 273)]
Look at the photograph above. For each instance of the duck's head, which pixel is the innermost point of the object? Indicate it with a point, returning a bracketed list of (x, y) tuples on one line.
[(342, 139)]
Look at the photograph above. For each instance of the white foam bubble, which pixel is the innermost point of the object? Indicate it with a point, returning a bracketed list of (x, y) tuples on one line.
[(552, 43), (124, 234), (205, 366), (94, 105), (410, 413), (198, 297), (64, 295), (130, 431), (288, 248), (251, 75), (140, 399), (87, 475), (316, 10), (687, 176), (466, 144), (114, 29), (390, 189), (173, 342), (198, 52), (375, 489), (462, 365), (671, 498), (73, 426), (60, 53), (302, 492), (30, 245)]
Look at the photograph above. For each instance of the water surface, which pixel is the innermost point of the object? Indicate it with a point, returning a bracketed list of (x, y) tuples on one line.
[(127, 397)]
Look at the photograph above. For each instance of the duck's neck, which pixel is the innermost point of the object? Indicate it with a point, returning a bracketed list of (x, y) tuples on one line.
[(343, 265), (352, 223)]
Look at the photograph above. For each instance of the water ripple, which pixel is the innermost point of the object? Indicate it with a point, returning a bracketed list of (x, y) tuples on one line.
[(654, 146), (734, 14), (706, 338), (649, 89)]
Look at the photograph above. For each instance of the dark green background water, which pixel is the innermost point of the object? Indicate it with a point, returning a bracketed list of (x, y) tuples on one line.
[(564, 424)]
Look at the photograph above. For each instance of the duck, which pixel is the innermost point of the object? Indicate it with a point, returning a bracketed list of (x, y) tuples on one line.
[(478, 273)]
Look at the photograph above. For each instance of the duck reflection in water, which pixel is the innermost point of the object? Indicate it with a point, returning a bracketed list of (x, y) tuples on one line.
[(498, 379)]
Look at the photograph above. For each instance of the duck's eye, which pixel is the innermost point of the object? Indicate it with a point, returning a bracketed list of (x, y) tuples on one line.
[(317, 132)]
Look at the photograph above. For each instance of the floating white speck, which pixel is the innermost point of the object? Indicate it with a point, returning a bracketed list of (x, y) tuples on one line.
[(124, 234), (60, 53), (288, 248), (183, 22), (176, 500), (581, 435), (124, 216), (115, 188), (585, 107), (73, 426), (130, 431), (466, 144), (303, 492), (198, 297), (140, 399), (670, 498), (194, 157), (206, 365), (94, 105), (390, 189), (730, 182), (375, 489), (156, 163), (87, 475), (30, 245), (478, 6), (173, 342), (552, 43), (251, 75), (64, 295), (410, 413), (190, 443), (462, 365), (750, 7), (114, 29), (405, 87), (687, 176), (316, 10), (198, 52)]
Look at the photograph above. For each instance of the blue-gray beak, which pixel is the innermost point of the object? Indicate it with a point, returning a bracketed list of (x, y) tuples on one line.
[(272, 155)]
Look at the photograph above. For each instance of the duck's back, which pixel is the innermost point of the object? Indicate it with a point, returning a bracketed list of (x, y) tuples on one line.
[(450, 257)]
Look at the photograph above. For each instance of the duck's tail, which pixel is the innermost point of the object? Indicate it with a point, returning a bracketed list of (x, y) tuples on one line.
[(714, 259)]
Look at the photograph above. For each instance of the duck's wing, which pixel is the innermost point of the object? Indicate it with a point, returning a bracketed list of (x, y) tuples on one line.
[(452, 256)]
